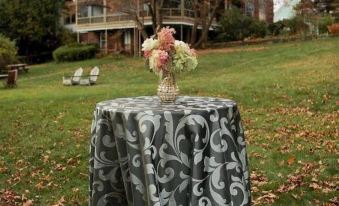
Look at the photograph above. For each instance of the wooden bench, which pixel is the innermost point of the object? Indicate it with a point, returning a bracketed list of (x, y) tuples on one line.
[(19, 67), (11, 79)]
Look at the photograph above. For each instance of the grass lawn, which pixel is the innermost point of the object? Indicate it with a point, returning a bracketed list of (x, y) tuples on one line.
[(288, 98)]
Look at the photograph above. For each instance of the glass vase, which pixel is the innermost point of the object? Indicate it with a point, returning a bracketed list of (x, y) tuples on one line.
[(167, 89)]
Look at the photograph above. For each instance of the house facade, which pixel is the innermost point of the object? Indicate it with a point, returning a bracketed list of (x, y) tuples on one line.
[(108, 24), (260, 9)]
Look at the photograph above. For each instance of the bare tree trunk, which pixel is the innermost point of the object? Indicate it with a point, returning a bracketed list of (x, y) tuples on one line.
[(152, 11), (140, 26), (206, 23), (155, 8), (158, 15), (204, 14), (196, 23)]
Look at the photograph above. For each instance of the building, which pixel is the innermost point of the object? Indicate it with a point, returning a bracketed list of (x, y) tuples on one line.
[(68, 15), (260, 9), (111, 26)]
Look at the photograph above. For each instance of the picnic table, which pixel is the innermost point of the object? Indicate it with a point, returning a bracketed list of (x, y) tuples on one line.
[(3, 76), (19, 67)]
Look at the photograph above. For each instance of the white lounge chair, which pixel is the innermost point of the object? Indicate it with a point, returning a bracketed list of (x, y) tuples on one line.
[(92, 78), (73, 80)]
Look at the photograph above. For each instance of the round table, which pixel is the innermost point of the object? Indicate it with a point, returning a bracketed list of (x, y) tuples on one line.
[(191, 152)]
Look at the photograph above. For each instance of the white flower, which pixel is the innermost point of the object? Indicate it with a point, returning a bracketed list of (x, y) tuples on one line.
[(150, 44), (184, 58), (181, 44), (153, 60)]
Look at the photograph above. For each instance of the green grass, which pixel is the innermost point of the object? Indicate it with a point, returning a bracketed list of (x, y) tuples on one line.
[(287, 93)]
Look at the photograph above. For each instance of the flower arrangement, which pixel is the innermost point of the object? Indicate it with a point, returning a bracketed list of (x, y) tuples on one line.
[(165, 54)]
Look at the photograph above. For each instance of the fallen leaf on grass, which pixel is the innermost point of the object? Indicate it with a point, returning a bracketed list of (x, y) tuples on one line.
[(295, 196), (334, 201), (258, 179), (59, 167), (61, 202), (268, 198), (9, 197), (256, 154), (293, 182), (45, 158), (3, 170), (314, 186), (291, 160), (40, 185), (28, 203)]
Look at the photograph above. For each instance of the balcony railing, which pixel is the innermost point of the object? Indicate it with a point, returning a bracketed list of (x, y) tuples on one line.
[(112, 18), (167, 13), (90, 20)]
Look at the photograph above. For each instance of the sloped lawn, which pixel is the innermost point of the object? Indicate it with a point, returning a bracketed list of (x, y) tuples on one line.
[(287, 93)]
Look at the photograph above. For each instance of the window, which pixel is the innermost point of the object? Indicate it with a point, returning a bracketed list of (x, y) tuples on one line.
[(83, 11), (97, 11), (70, 19), (262, 10), (103, 41), (250, 8), (172, 4), (127, 38), (88, 11)]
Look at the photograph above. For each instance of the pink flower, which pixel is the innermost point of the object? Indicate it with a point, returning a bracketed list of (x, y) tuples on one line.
[(147, 54), (166, 39), (162, 59)]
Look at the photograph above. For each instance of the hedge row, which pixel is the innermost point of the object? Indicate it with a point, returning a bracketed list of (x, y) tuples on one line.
[(75, 52)]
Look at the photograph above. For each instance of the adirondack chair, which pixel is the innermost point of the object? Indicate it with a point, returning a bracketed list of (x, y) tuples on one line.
[(73, 80), (11, 79), (92, 78)]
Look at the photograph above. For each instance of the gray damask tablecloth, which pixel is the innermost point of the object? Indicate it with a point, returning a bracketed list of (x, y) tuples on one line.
[(192, 152)]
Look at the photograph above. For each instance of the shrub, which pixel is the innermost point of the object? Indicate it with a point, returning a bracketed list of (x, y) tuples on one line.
[(258, 29), (66, 37), (75, 52), (324, 22), (8, 52), (334, 29), (296, 25), (234, 25), (276, 28)]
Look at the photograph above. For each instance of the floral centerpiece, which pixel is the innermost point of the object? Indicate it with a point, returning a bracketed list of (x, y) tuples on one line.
[(166, 56)]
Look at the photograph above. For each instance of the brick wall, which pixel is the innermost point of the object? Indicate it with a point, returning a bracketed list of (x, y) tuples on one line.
[(267, 5), (114, 41), (269, 14), (269, 11), (89, 37)]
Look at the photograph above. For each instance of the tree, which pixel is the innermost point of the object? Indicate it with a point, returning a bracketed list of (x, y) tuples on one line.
[(324, 6), (33, 24), (8, 51), (315, 13), (319, 7), (234, 26), (133, 8), (204, 13)]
